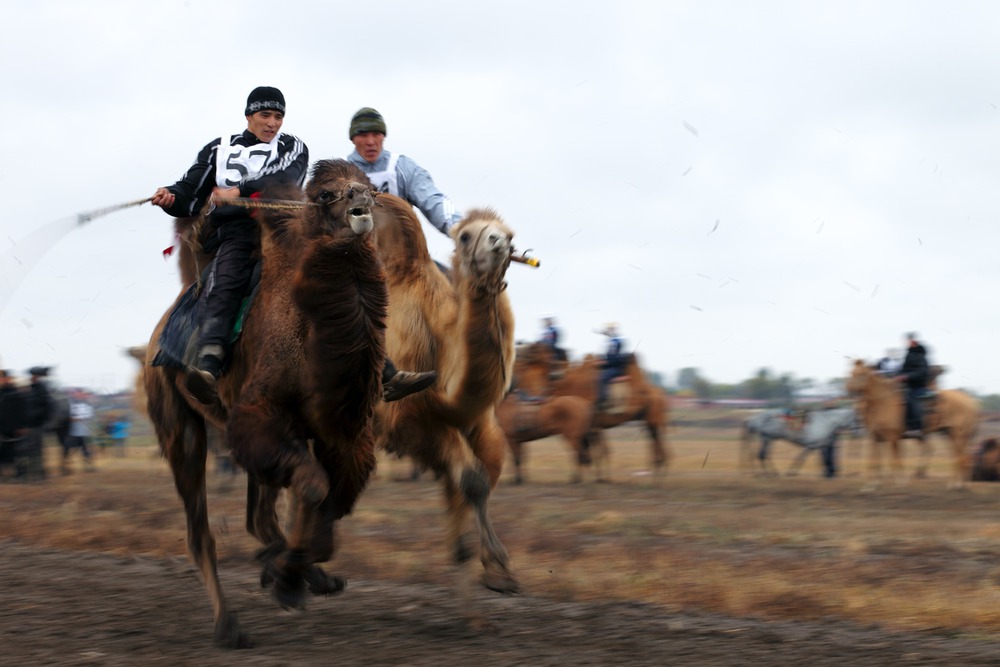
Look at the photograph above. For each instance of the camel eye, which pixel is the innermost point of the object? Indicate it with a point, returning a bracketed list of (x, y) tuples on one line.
[(465, 237), (325, 196)]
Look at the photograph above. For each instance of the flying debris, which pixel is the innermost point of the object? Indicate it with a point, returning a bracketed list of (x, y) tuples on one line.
[(691, 128), (716, 226)]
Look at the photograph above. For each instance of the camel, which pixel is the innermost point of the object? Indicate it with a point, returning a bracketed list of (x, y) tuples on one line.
[(633, 397), (297, 403), (461, 325), (986, 461), (882, 408), (528, 414)]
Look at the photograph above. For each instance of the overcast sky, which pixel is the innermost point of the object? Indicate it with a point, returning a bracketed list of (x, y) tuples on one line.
[(738, 185)]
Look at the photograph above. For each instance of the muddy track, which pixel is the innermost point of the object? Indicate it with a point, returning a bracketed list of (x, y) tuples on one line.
[(67, 608)]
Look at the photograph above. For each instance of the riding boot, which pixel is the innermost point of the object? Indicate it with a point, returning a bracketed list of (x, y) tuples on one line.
[(200, 379), (397, 384)]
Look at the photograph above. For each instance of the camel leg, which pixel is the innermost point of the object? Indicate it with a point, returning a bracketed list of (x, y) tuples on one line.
[(599, 454), (183, 439), (262, 445), (487, 442), (875, 460), (659, 450), (896, 448), (518, 455), (961, 467), (579, 455)]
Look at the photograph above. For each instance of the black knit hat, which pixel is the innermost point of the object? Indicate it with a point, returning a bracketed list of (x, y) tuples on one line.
[(265, 97), (367, 120), (38, 371)]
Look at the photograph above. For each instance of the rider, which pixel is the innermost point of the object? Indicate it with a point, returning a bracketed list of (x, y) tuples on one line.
[(915, 374), (261, 157), (397, 174), (614, 362), (550, 337)]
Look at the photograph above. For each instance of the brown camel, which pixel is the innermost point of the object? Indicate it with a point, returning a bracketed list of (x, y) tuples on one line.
[(462, 326), (986, 461), (298, 400), (633, 398), (528, 414), (882, 407)]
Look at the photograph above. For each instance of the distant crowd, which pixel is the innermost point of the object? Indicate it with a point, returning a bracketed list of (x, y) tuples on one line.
[(30, 409)]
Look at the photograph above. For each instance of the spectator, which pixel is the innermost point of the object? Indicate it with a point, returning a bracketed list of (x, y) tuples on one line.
[(119, 434), (39, 409), (13, 425), (81, 414)]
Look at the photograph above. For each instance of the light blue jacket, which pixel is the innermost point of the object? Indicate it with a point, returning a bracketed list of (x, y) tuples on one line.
[(416, 186)]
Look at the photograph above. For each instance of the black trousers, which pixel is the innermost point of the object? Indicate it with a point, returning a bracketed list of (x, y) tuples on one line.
[(228, 281)]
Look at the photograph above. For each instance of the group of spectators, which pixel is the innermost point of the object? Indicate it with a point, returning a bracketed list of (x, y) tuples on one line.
[(30, 410)]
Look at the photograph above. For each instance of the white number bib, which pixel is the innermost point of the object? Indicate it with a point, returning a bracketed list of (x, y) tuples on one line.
[(241, 163)]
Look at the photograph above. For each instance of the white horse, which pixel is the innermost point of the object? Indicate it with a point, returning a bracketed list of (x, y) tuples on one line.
[(819, 431)]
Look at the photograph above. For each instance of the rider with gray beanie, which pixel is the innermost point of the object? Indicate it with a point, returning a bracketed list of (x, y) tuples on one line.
[(395, 173)]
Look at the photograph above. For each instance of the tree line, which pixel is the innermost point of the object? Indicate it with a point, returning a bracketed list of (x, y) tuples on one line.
[(766, 385)]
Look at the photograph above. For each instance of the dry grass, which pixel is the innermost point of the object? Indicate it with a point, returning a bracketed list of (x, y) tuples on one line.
[(914, 555)]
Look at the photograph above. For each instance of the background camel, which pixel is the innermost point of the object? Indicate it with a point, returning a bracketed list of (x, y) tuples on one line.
[(881, 404), (463, 328), (634, 398), (528, 413), (305, 370)]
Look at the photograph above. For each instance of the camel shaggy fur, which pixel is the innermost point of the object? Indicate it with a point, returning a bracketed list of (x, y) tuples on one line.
[(461, 326), (298, 401)]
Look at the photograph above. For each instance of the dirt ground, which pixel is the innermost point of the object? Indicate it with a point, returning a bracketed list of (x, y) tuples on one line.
[(94, 572)]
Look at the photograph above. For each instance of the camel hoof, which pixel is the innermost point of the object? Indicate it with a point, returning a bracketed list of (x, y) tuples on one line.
[(228, 633), (290, 592), (501, 582), (320, 583)]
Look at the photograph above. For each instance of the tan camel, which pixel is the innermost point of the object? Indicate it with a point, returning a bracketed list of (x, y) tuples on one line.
[(881, 404), (528, 413), (633, 398), (462, 327), (298, 400)]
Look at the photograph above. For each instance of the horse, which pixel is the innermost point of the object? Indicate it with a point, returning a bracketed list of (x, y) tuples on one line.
[(297, 403), (633, 398), (462, 326), (818, 432), (882, 408)]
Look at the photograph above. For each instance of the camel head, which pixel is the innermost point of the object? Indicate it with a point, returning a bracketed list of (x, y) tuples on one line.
[(858, 380), (482, 249), (341, 198)]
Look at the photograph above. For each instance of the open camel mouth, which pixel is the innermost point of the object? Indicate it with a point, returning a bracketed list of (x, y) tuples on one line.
[(361, 221)]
